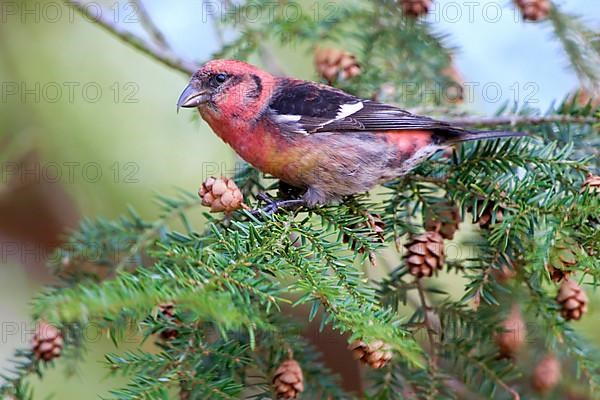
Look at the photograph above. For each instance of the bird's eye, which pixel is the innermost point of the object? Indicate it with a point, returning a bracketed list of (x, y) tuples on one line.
[(219, 78)]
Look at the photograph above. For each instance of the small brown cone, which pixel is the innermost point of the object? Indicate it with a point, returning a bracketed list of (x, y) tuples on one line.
[(485, 217), (534, 10), (562, 259), (415, 8), (335, 64), (591, 183), (167, 310), (47, 342), (546, 374), (376, 354), (377, 226), (221, 194), (442, 217), (557, 275), (288, 380), (511, 340), (572, 299), (425, 254)]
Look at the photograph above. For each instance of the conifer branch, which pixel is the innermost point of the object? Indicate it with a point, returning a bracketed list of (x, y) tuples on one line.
[(517, 120)]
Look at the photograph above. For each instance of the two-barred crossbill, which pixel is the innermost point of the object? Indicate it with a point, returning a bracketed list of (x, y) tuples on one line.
[(312, 136)]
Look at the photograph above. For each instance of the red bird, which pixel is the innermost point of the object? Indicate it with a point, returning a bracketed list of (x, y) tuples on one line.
[(312, 136)]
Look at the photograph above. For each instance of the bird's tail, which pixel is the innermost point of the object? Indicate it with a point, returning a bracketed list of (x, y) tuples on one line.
[(463, 136)]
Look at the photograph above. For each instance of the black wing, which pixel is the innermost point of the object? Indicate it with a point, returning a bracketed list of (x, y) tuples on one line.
[(307, 107)]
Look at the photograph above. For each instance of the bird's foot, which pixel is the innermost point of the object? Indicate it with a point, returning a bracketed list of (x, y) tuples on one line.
[(274, 205)]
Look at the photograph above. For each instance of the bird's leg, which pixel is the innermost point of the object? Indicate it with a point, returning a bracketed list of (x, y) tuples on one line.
[(287, 191), (274, 205)]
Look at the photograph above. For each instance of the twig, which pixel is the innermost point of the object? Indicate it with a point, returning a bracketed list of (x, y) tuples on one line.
[(148, 24), (432, 361), (493, 375), (428, 323), (164, 56), (523, 120)]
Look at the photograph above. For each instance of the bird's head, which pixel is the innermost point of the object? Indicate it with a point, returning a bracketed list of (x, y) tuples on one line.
[(227, 86)]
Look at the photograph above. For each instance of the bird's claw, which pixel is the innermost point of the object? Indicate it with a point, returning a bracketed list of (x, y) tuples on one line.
[(274, 205), (270, 208)]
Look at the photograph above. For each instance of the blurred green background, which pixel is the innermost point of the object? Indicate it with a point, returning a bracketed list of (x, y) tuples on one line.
[(88, 126)]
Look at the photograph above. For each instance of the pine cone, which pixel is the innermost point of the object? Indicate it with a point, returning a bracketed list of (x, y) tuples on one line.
[(47, 342), (167, 310), (484, 217), (425, 254), (415, 8), (334, 64), (573, 300), (512, 338), (563, 258), (376, 355), (534, 10), (288, 380), (442, 217), (221, 194), (377, 226), (592, 182), (546, 374), (557, 275)]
